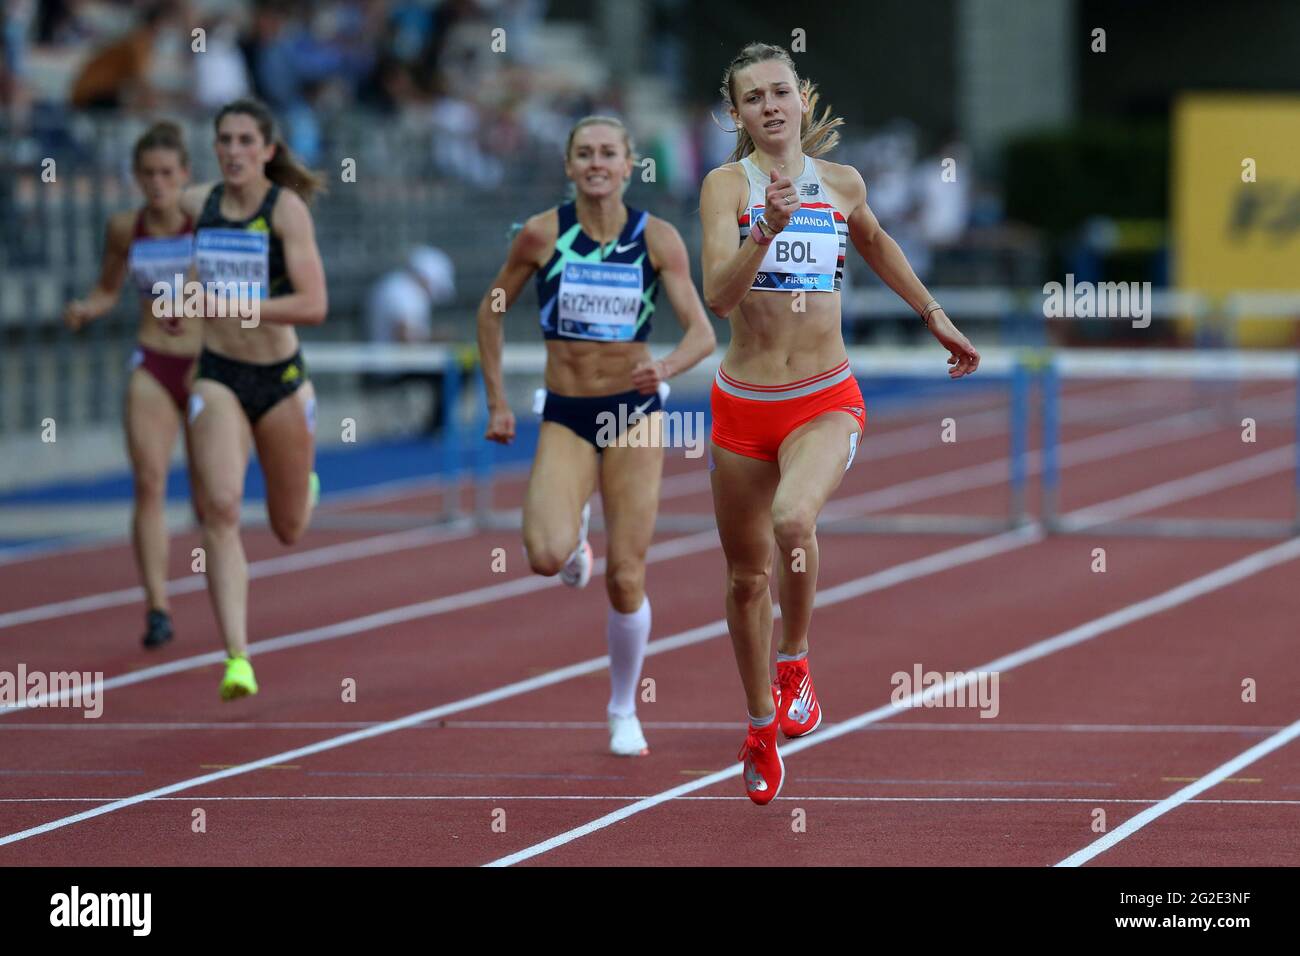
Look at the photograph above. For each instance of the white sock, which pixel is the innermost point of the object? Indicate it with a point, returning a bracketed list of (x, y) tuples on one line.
[(626, 635)]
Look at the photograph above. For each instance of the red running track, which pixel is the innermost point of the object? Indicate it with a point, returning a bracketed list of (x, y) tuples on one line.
[(508, 754)]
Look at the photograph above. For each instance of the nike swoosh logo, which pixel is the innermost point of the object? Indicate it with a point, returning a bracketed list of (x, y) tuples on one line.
[(619, 250), (640, 409)]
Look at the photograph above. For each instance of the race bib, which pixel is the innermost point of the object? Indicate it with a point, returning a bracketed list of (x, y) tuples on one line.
[(599, 300), (160, 260), (237, 257), (802, 256)]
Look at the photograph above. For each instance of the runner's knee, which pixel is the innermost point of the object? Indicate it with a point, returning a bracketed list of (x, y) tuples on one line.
[(221, 511), (150, 483), (543, 556), (288, 529), (794, 525), (747, 585), (625, 584)]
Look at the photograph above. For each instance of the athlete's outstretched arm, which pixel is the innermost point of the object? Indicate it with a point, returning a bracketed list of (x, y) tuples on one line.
[(521, 262), (668, 254), (879, 250), (112, 273), (309, 301)]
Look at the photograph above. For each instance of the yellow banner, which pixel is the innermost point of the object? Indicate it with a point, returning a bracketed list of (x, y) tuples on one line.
[(1236, 201)]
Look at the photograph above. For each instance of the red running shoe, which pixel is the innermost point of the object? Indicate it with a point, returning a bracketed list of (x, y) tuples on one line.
[(764, 769), (799, 712)]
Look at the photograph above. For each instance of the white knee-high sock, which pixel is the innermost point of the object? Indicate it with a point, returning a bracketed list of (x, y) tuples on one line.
[(627, 636)]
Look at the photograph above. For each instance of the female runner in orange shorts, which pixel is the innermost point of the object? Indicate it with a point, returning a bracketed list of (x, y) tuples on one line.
[(787, 411)]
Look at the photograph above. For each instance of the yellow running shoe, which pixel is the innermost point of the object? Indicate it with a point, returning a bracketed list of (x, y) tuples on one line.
[(313, 489), (239, 680)]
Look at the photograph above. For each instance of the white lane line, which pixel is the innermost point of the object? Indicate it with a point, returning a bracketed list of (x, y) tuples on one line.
[(1204, 482), (930, 564), (912, 570), (673, 486), (400, 489), (1215, 776), (268, 567), (728, 726), (897, 442), (1205, 584), (373, 494), (1179, 489), (617, 798)]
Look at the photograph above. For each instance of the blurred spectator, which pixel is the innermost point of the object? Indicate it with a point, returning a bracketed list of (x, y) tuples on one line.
[(59, 23), (520, 19), (15, 29), (456, 148), (400, 311), (944, 197), (296, 62), (117, 76), (220, 73), (410, 29)]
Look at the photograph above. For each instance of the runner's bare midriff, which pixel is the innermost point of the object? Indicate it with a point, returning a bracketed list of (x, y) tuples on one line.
[(772, 343), (265, 344), (592, 368), (153, 335)]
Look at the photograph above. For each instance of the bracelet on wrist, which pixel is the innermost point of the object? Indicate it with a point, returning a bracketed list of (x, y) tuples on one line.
[(759, 230), (931, 306)]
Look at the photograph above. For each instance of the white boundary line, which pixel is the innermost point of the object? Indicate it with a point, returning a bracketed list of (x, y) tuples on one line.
[(1178, 489), (681, 484), (896, 441), (699, 725), (398, 489), (912, 570), (905, 440), (1215, 776), (617, 798), (268, 567), (1213, 581), (922, 567)]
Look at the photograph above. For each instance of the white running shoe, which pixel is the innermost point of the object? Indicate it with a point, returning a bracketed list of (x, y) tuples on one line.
[(577, 570), (625, 737)]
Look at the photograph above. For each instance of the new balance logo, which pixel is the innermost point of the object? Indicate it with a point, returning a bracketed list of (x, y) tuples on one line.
[(801, 707), (754, 781), (809, 189), (800, 711)]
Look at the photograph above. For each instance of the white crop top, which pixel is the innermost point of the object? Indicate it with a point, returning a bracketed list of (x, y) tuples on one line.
[(809, 253)]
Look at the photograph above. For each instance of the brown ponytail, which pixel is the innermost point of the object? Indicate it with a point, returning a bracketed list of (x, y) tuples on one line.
[(163, 135), (817, 135), (284, 167)]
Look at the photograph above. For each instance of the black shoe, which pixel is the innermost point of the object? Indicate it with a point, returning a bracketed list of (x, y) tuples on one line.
[(159, 629)]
